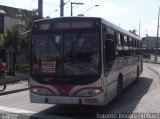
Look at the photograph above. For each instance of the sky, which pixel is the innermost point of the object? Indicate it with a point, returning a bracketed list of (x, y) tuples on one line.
[(128, 14)]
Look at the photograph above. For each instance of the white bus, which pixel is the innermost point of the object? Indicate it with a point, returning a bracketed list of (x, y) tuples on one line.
[(81, 60)]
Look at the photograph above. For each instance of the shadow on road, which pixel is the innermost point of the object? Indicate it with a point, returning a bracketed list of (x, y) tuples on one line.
[(131, 97)]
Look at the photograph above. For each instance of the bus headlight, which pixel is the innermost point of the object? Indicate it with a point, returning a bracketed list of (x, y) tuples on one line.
[(41, 91), (94, 92)]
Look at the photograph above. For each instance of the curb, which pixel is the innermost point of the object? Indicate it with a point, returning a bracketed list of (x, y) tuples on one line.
[(14, 88), (154, 71), (151, 62), (13, 91)]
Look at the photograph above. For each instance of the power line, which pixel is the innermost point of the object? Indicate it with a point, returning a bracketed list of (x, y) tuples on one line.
[(67, 2), (47, 3)]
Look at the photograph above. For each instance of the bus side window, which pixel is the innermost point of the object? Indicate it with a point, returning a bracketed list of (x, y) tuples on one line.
[(122, 45), (134, 46), (126, 49), (118, 46), (128, 44), (138, 50), (131, 46), (109, 49)]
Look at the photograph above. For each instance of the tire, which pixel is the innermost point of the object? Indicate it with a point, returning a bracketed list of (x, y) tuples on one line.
[(119, 89), (137, 75)]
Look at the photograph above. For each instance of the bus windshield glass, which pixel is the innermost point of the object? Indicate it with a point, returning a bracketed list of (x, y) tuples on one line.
[(65, 54)]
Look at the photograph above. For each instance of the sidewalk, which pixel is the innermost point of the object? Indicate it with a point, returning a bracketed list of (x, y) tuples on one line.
[(15, 84), (17, 78), (17, 87), (150, 103), (152, 59)]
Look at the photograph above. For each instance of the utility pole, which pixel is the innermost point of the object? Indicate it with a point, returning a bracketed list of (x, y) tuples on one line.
[(72, 6), (147, 39), (40, 8), (156, 52), (61, 8), (140, 28)]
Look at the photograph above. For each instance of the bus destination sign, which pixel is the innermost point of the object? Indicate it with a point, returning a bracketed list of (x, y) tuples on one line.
[(73, 25), (44, 26)]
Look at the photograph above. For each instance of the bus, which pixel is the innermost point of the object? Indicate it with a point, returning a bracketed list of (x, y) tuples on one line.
[(81, 60)]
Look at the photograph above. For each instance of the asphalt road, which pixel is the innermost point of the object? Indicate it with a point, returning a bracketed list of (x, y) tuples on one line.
[(133, 101)]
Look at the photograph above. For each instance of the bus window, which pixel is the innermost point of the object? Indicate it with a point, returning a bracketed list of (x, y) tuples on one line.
[(134, 47), (118, 39), (126, 48), (128, 43), (125, 40), (130, 46), (109, 49), (122, 39), (118, 47), (109, 46)]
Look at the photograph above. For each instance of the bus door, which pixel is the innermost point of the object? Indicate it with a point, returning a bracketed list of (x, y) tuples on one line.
[(109, 48), (109, 56)]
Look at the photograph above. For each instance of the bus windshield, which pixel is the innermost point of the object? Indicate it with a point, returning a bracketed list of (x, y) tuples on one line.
[(65, 54)]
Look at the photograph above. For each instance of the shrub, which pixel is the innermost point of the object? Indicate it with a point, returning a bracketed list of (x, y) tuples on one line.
[(23, 68)]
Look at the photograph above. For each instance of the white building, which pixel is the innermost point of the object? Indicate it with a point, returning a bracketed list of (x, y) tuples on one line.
[(8, 16)]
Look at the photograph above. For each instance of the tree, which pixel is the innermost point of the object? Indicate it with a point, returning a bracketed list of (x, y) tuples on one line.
[(27, 17), (133, 32), (18, 35), (11, 42)]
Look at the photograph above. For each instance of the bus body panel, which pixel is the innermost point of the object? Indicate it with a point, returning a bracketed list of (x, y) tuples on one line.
[(96, 100), (128, 77)]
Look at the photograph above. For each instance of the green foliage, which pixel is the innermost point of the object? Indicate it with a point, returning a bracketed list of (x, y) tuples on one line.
[(9, 70), (1, 40), (23, 68), (133, 32), (11, 39), (27, 17)]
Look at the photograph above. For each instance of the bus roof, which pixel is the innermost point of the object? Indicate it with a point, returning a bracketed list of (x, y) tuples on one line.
[(121, 30), (109, 24)]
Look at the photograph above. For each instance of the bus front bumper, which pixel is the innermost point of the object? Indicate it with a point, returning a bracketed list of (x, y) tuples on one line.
[(95, 100)]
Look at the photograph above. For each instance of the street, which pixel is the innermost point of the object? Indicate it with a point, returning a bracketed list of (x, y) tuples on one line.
[(138, 97)]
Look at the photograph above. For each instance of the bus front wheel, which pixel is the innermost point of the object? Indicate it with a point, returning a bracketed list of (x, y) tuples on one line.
[(119, 89), (137, 75)]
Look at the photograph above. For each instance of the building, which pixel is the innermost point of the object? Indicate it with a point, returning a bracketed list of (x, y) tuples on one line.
[(149, 42), (149, 46), (8, 16)]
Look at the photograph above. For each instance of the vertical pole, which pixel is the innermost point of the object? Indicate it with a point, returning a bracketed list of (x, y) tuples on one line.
[(77, 3), (71, 9), (61, 8), (156, 52), (140, 28), (40, 8)]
